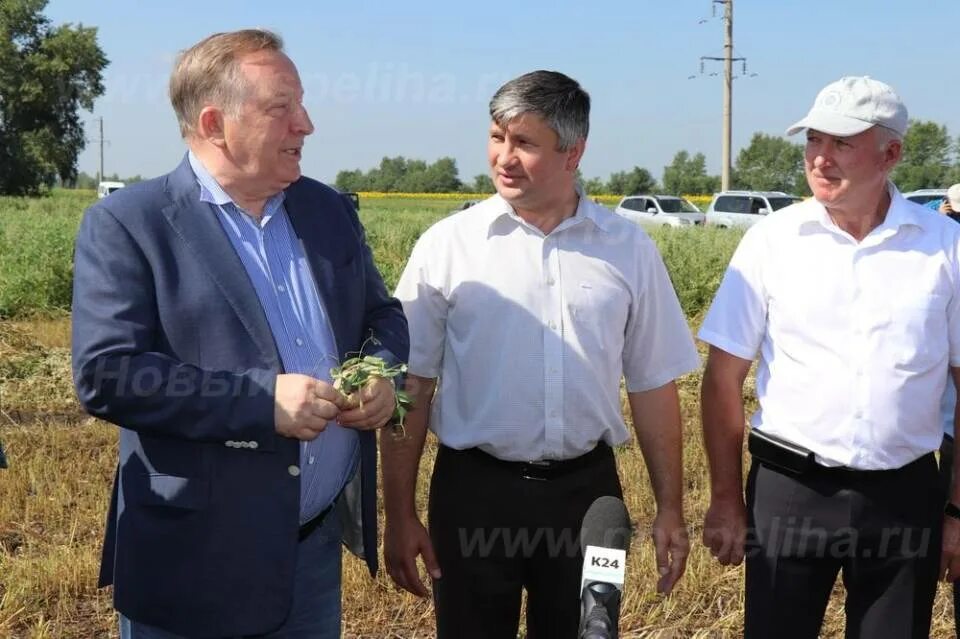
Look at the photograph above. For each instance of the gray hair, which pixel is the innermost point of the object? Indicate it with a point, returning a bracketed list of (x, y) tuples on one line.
[(556, 98), (885, 136), (209, 73)]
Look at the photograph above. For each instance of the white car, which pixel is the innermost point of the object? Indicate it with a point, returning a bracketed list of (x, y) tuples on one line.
[(922, 196), (665, 210), (106, 188), (745, 208)]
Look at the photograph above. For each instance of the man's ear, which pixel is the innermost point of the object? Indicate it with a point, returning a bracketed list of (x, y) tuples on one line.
[(210, 125), (892, 153), (574, 154)]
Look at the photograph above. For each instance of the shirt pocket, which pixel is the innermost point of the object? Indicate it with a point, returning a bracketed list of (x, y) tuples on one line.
[(170, 491), (915, 330), (599, 314)]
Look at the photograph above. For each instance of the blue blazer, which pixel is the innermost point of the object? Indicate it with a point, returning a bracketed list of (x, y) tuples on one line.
[(170, 343)]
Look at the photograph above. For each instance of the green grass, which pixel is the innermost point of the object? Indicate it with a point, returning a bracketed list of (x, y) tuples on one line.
[(36, 249), (36, 252)]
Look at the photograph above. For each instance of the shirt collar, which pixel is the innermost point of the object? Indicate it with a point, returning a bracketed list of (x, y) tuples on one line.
[(899, 214), (586, 210), (213, 193)]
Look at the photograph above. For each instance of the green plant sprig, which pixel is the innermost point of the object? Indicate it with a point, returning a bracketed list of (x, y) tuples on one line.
[(355, 373)]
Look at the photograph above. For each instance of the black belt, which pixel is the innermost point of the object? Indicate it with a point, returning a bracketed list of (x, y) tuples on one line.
[(307, 528), (777, 453), (846, 471), (539, 470)]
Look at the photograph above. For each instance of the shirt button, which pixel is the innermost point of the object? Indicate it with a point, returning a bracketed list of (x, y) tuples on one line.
[(293, 470), (551, 281), (299, 342), (858, 414), (552, 325), (281, 288)]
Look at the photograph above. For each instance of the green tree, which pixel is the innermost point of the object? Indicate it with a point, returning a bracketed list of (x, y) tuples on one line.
[(771, 163), (84, 181), (688, 175), (47, 74), (632, 182), (482, 183), (595, 186), (349, 181), (403, 175), (926, 157), (441, 177)]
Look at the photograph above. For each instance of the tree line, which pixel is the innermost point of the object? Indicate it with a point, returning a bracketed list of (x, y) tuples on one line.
[(931, 159)]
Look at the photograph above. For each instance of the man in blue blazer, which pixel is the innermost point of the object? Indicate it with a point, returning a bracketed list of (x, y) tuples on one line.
[(209, 306)]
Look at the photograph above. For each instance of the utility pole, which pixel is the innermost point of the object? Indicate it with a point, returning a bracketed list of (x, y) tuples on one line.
[(101, 150), (727, 95), (728, 77)]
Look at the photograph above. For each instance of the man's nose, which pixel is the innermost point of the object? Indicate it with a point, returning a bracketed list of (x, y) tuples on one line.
[(302, 123), (507, 154)]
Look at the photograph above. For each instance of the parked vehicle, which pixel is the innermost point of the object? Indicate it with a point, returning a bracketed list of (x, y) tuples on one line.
[(466, 205), (745, 208), (106, 188), (665, 210), (922, 196), (354, 199)]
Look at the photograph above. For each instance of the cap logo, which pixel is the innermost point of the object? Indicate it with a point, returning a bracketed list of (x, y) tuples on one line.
[(831, 100)]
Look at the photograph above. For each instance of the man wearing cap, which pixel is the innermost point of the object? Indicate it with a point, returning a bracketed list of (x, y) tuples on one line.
[(852, 301), (950, 205)]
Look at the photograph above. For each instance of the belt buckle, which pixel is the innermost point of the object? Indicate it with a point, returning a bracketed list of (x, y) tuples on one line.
[(535, 470)]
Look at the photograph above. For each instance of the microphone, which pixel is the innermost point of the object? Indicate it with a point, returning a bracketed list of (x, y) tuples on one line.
[(604, 539)]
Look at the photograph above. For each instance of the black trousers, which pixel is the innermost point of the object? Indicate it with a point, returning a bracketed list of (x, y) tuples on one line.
[(497, 532), (946, 476), (881, 529)]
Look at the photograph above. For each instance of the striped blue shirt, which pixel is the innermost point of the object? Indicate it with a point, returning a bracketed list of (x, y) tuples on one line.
[(276, 264)]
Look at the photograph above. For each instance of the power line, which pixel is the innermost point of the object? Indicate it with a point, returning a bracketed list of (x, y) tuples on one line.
[(728, 59)]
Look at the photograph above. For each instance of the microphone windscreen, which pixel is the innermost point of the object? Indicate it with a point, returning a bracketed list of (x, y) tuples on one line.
[(606, 525)]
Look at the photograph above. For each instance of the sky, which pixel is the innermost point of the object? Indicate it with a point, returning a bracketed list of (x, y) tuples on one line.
[(414, 78)]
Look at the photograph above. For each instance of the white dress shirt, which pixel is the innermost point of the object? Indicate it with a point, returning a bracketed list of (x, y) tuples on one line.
[(854, 338), (530, 334)]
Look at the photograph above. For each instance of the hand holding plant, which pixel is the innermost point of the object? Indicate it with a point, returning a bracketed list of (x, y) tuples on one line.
[(357, 372)]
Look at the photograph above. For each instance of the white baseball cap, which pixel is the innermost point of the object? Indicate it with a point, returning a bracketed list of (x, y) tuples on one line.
[(851, 105)]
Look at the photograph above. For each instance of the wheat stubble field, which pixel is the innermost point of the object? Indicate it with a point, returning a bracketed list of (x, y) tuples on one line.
[(54, 497)]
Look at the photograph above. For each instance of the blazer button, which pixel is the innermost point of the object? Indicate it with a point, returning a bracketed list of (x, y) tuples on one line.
[(229, 443), (254, 444), (293, 470)]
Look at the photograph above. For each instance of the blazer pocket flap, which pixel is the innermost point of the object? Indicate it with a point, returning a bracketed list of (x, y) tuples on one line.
[(175, 492)]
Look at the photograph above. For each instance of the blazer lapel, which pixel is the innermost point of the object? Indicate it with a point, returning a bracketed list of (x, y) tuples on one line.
[(196, 224)]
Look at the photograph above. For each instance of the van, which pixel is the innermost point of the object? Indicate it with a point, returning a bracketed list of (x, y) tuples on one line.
[(106, 188)]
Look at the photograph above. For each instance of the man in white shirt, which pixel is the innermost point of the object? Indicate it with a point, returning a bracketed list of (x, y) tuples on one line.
[(852, 299), (529, 308)]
